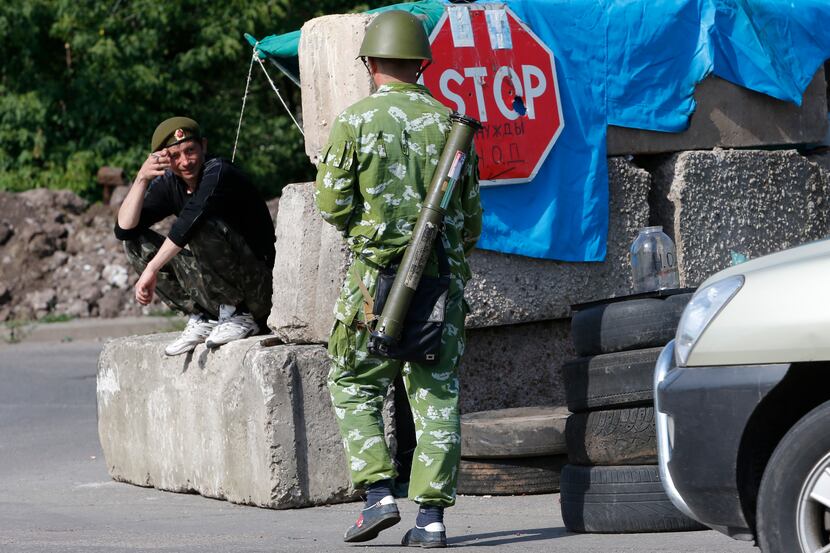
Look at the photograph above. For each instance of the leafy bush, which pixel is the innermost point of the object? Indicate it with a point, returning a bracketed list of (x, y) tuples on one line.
[(84, 83)]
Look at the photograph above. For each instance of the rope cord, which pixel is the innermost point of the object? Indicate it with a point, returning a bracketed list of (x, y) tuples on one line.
[(244, 99), (262, 65)]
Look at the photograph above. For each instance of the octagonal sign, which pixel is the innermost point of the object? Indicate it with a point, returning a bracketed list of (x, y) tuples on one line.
[(489, 65)]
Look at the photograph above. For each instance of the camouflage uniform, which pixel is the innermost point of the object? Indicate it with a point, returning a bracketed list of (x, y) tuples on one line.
[(219, 267), (371, 180)]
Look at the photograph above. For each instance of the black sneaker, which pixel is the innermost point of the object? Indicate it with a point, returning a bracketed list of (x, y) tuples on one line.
[(373, 520), (434, 535)]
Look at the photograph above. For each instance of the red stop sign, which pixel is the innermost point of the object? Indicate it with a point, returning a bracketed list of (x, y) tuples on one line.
[(489, 65)]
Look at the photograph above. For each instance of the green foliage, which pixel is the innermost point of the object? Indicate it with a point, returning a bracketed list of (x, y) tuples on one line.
[(84, 83), (55, 318)]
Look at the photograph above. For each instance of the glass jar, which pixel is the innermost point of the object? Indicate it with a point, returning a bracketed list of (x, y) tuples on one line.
[(653, 261)]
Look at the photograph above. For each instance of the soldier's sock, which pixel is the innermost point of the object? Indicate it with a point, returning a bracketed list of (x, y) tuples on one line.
[(427, 514), (377, 491)]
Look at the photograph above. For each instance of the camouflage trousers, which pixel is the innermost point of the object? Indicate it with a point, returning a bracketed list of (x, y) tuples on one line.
[(218, 267), (358, 382)]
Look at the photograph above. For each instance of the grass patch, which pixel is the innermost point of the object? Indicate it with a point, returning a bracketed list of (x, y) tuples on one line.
[(175, 326), (55, 318), (16, 330), (163, 312)]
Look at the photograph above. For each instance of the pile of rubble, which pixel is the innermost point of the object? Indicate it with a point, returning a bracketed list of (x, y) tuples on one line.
[(60, 259)]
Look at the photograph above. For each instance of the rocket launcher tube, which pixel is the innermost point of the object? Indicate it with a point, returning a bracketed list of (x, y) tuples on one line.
[(390, 323)]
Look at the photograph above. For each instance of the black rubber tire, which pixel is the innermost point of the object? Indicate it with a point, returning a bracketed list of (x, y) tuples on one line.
[(619, 500), (529, 475), (624, 436), (802, 448), (518, 432), (617, 379), (627, 325)]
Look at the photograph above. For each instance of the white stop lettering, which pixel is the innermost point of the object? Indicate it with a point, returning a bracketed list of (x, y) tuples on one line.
[(531, 85)]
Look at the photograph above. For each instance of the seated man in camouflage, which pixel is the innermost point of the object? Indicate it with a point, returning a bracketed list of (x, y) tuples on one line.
[(215, 264)]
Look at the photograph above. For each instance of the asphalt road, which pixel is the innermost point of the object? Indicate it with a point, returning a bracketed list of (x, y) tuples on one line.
[(56, 495)]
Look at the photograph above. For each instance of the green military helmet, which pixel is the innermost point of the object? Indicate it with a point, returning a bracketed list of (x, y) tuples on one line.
[(396, 34), (173, 131)]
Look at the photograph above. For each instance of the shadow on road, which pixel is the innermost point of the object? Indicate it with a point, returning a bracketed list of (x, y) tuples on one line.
[(507, 536)]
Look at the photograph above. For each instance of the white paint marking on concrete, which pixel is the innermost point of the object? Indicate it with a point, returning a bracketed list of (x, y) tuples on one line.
[(107, 384)]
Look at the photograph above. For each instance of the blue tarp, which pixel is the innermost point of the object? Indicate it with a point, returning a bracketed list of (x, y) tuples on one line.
[(635, 63)]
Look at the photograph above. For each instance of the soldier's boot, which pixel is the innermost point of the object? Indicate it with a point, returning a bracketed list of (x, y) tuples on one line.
[(373, 520), (380, 513), (429, 530)]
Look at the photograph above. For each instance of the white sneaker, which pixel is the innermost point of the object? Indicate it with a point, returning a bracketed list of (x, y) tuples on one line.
[(232, 326), (197, 330)]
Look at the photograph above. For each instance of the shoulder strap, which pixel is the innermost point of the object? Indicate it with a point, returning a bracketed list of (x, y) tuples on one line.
[(368, 301)]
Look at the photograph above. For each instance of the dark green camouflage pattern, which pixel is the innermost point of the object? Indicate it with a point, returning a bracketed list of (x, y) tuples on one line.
[(218, 268)]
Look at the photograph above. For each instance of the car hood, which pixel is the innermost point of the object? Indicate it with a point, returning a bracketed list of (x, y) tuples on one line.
[(806, 253), (781, 314)]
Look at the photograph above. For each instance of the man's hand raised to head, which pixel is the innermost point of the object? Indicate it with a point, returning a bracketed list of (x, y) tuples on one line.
[(154, 166), (130, 211)]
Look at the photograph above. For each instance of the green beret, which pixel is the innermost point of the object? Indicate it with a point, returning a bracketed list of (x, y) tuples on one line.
[(174, 130)]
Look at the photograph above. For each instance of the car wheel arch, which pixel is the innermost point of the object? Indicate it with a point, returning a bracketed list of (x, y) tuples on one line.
[(806, 386)]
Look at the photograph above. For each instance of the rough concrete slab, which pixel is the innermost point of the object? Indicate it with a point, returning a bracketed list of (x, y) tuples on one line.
[(332, 79), (730, 116), (244, 423), (822, 159), (510, 289), (515, 365), (311, 262), (748, 201), (505, 289)]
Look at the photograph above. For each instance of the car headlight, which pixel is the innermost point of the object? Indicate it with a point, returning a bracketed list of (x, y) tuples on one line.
[(702, 309)]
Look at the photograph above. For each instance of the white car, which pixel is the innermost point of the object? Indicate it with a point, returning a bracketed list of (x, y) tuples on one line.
[(742, 396)]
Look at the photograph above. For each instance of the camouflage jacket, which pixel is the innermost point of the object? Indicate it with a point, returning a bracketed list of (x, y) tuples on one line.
[(376, 168)]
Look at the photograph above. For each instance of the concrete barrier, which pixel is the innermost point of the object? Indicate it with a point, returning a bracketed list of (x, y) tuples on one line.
[(332, 79), (515, 365), (244, 423), (510, 289), (731, 116), (749, 202), (311, 262)]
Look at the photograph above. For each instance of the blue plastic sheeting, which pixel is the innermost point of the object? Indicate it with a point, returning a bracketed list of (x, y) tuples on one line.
[(659, 50), (635, 63), (563, 213)]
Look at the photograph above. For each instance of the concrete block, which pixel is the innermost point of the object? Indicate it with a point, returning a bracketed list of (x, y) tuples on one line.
[(510, 289), (332, 79), (244, 423), (750, 202), (505, 289), (311, 262), (730, 116), (515, 365), (822, 159)]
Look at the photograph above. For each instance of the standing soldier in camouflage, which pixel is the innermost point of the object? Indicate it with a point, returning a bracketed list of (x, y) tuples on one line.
[(373, 176), (223, 278)]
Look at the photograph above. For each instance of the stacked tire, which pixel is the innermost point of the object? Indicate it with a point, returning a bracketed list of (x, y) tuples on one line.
[(512, 451), (612, 484)]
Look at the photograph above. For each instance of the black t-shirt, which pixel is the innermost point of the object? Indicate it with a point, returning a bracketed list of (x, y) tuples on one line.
[(223, 192)]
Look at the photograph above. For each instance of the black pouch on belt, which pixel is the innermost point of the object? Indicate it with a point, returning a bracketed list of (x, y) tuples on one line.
[(420, 341)]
